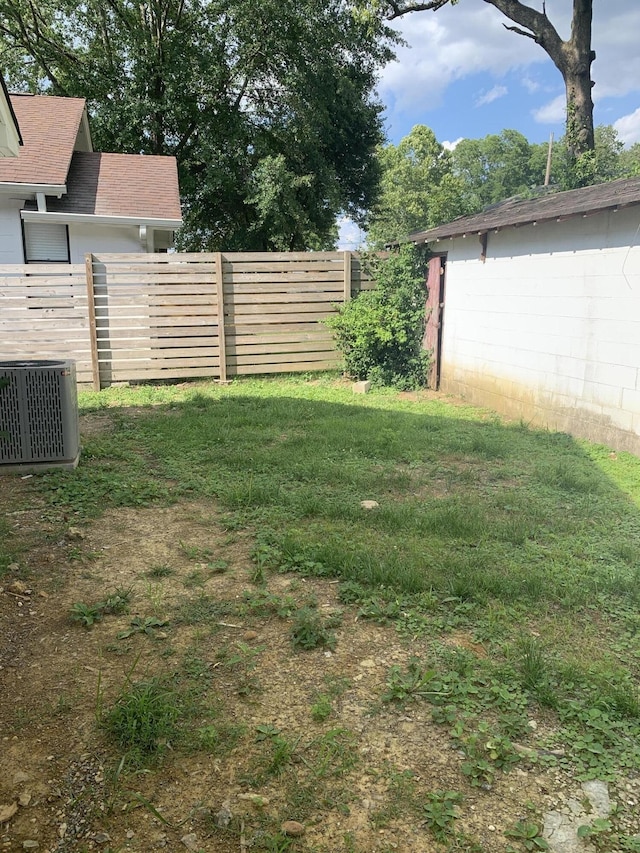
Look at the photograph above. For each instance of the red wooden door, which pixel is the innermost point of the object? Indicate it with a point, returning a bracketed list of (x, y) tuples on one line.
[(433, 311)]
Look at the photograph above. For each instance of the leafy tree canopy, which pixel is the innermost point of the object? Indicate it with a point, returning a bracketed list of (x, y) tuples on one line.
[(424, 185), (267, 105), (418, 188)]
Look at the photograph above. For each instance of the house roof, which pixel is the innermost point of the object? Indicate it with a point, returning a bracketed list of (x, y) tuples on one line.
[(133, 185), (551, 206), (49, 126)]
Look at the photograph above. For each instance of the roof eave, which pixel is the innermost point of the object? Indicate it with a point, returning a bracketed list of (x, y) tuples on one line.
[(11, 187), (96, 219)]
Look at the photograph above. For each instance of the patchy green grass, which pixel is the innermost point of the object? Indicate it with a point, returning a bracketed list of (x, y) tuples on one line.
[(528, 541)]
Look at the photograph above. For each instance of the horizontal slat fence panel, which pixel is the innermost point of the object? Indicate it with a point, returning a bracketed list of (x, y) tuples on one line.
[(135, 317), (145, 297), (44, 315)]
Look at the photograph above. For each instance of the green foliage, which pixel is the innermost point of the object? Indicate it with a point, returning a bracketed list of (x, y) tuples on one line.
[(89, 614), (144, 716), (441, 812), (142, 625), (415, 681), (528, 835), (380, 332), (269, 107), (418, 189), (486, 752), (310, 630), (497, 167), (322, 708)]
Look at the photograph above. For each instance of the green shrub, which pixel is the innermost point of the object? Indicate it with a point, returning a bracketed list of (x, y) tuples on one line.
[(380, 331)]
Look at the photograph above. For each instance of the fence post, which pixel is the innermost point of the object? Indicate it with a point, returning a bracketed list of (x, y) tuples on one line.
[(222, 344), (347, 276), (93, 334)]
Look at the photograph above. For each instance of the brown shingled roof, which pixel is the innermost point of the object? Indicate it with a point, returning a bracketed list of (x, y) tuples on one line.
[(143, 186), (49, 126), (551, 206)]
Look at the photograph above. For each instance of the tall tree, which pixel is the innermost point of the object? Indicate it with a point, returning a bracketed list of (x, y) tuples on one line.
[(418, 189), (268, 105), (573, 58)]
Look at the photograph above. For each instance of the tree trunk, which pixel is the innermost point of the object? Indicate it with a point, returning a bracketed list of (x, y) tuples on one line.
[(572, 58), (576, 72)]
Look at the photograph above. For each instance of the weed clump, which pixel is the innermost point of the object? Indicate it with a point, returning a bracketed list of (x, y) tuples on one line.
[(143, 718)]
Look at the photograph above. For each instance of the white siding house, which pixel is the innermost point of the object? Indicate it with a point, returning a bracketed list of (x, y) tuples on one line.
[(60, 200), (541, 313)]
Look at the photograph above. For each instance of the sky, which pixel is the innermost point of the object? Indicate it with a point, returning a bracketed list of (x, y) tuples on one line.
[(464, 75)]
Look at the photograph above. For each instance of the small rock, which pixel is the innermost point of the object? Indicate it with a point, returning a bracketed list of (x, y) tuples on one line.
[(491, 828), (598, 795), (250, 635), (7, 811), (255, 799), (361, 387), (525, 750), (292, 828), (130, 833), (75, 533), (30, 844), (223, 817), (532, 725), (20, 777), (190, 841), (102, 838), (24, 799), (369, 504)]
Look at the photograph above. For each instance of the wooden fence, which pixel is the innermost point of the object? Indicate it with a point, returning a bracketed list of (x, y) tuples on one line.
[(136, 317)]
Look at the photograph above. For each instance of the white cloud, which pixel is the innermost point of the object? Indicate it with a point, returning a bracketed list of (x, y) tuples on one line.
[(350, 236), (455, 42), (628, 128), (491, 96), (447, 46), (451, 146), (530, 84), (553, 112)]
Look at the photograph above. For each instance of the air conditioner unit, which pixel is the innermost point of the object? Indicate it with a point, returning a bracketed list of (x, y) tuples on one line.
[(39, 426)]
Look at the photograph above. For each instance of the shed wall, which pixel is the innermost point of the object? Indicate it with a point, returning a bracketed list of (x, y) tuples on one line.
[(547, 329)]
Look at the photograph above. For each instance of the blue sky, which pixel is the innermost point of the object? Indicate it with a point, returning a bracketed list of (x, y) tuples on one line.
[(464, 75)]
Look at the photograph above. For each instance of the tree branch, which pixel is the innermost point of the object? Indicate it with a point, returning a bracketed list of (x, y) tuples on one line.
[(397, 9), (520, 32)]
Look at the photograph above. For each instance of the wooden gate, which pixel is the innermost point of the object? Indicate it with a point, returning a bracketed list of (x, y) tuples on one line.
[(434, 311)]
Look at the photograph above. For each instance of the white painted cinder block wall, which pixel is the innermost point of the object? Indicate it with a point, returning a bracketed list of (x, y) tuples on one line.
[(547, 329)]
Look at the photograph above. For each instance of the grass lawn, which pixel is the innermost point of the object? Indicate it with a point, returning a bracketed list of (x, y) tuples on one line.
[(525, 541)]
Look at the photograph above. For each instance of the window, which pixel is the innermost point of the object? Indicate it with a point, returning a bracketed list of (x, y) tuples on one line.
[(46, 242)]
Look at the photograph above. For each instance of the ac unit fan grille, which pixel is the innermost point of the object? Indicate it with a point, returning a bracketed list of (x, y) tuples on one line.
[(38, 413), (10, 432)]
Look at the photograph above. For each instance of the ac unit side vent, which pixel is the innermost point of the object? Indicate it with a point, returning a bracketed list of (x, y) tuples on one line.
[(39, 414)]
